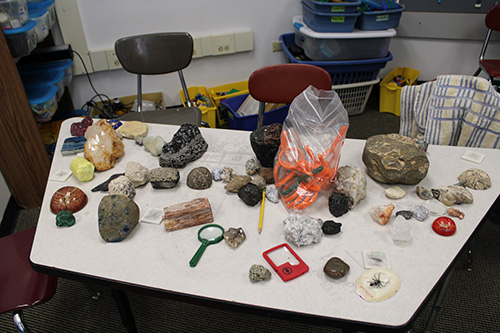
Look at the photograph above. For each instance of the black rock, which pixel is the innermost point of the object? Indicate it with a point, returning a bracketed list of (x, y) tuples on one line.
[(331, 227), (338, 204), (265, 143), (104, 186), (187, 145), (407, 214), (250, 194), (336, 268)]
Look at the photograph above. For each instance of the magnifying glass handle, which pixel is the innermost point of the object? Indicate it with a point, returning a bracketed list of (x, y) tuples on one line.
[(198, 254)]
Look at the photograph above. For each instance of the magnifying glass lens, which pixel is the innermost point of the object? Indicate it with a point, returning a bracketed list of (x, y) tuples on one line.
[(211, 233)]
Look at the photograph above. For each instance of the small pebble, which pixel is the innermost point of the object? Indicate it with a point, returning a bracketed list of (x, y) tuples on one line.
[(395, 192), (419, 212), (259, 273), (65, 218), (272, 193), (456, 213)]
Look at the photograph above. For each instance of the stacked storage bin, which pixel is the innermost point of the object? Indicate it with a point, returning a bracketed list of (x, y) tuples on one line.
[(347, 40)]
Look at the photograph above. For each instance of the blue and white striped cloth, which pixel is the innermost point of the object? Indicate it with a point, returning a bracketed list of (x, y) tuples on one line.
[(454, 110)]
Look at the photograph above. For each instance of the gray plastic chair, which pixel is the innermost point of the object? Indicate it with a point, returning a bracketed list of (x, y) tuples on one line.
[(154, 54)]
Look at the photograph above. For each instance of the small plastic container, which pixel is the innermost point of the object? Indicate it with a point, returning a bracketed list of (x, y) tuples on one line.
[(13, 14), (43, 101), (41, 16), (47, 4), (390, 93), (328, 22), (21, 40), (346, 6), (359, 44), (380, 20), (64, 65), (44, 77)]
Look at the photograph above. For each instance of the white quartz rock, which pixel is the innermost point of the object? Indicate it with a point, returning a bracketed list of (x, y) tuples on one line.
[(351, 181), (137, 173), (302, 229)]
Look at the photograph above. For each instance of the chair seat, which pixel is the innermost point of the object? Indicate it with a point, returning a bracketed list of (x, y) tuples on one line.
[(21, 286), (174, 116), (491, 66)]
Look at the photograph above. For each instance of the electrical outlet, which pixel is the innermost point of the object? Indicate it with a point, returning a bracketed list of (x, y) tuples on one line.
[(223, 44), (277, 46), (197, 48), (113, 62)]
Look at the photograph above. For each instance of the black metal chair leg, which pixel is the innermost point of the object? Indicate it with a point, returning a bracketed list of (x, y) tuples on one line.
[(93, 293), (19, 322), (125, 310), (438, 302)]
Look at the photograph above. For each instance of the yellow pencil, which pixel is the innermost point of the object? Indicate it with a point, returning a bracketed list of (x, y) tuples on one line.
[(262, 209)]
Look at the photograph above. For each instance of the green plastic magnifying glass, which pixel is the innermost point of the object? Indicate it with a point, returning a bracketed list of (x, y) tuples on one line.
[(208, 235)]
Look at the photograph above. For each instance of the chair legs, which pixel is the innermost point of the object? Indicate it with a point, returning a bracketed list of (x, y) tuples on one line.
[(19, 322)]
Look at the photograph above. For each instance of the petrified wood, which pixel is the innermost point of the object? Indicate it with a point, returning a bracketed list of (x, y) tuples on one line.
[(187, 214)]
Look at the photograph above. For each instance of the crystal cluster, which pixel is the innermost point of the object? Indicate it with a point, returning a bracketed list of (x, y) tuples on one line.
[(103, 145), (351, 181)]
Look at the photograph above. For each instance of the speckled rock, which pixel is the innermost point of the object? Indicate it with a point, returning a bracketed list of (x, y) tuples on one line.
[(259, 273), (265, 142), (302, 230), (187, 145), (164, 178), (104, 185), (250, 194), (252, 166), (137, 173), (199, 178), (236, 183), (121, 186), (118, 215)]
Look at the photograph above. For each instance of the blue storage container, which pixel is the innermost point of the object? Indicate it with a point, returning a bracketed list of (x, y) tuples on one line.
[(43, 101), (249, 123), (64, 65), (328, 22), (41, 17), (21, 40), (44, 77), (342, 71), (380, 20), (47, 4), (346, 6)]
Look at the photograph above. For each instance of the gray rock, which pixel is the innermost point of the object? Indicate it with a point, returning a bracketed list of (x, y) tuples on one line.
[(121, 186), (259, 273), (164, 178), (475, 179), (137, 173), (234, 236), (394, 159), (199, 178), (252, 166), (419, 212), (187, 145), (302, 230), (452, 194), (272, 193), (118, 215)]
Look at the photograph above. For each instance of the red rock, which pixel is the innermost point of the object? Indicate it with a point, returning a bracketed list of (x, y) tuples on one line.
[(68, 198), (444, 226)]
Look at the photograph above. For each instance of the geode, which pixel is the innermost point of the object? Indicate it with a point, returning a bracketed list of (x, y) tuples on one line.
[(199, 178), (265, 143), (187, 145), (394, 159), (250, 194), (338, 204), (351, 181), (164, 178), (302, 230), (117, 217)]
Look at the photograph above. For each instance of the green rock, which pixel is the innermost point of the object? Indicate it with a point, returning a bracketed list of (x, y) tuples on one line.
[(65, 218)]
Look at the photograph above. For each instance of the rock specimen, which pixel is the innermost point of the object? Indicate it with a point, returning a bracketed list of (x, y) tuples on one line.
[(444, 226), (121, 186), (423, 193), (68, 198), (79, 128), (73, 145), (104, 186), (164, 178), (216, 174), (236, 183), (187, 214), (336, 268), (338, 204), (82, 169), (351, 181), (117, 216), (226, 174), (65, 218), (199, 178), (272, 194), (400, 231), (187, 145), (103, 145), (234, 236), (154, 144), (331, 227), (265, 143), (137, 173), (435, 207), (267, 174), (251, 166), (456, 213), (259, 181), (452, 195), (394, 159), (407, 214), (394, 192), (475, 179), (259, 273), (382, 214), (419, 212), (133, 129), (250, 194), (302, 230)]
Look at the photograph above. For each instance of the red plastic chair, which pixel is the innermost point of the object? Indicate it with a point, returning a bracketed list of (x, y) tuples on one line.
[(490, 66), (21, 287), (282, 83)]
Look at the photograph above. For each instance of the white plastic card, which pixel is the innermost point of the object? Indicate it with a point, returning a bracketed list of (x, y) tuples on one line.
[(61, 175), (473, 156), (376, 258), (152, 215)]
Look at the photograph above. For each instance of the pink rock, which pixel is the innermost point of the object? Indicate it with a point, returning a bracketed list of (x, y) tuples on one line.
[(103, 145)]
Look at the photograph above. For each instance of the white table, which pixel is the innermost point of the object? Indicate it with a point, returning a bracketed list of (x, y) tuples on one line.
[(154, 259)]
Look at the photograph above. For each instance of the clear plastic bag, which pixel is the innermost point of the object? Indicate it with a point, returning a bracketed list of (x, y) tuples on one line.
[(312, 137)]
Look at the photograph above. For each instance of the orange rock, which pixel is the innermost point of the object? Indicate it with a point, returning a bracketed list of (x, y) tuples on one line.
[(103, 145)]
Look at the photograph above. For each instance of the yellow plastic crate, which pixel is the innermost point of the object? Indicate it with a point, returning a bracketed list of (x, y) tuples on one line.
[(390, 92), (220, 93), (208, 110)]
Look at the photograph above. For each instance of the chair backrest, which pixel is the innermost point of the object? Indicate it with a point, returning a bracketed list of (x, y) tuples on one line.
[(158, 53), (282, 83), (492, 19)]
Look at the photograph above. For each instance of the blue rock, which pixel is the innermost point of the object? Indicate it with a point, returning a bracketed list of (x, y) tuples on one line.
[(73, 145)]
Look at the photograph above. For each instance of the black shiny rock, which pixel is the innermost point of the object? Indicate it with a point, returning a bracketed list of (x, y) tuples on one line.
[(338, 204), (187, 145), (331, 227), (250, 194), (336, 268), (104, 186), (265, 143)]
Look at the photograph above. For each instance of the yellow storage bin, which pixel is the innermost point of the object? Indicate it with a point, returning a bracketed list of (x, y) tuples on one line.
[(390, 92), (200, 98), (220, 93)]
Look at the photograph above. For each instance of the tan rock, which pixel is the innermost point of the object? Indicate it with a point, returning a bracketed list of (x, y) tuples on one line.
[(103, 145)]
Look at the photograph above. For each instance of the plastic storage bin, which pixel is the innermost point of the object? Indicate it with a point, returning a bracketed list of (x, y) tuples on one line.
[(21, 40), (342, 71), (13, 13), (390, 93), (354, 96), (346, 6), (43, 101), (41, 16), (64, 65), (47, 4), (354, 45), (43, 77), (380, 20), (249, 123), (208, 110), (328, 22), (220, 93)]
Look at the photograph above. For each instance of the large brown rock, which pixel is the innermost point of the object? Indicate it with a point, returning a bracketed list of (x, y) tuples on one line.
[(394, 159)]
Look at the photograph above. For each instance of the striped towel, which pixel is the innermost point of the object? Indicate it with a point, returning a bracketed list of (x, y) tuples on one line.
[(455, 110)]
